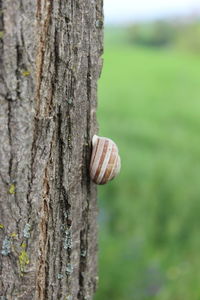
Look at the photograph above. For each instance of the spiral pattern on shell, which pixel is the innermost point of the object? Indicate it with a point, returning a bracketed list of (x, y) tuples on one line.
[(105, 161)]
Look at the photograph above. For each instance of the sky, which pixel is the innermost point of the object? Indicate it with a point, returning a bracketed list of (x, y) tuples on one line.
[(121, 11)]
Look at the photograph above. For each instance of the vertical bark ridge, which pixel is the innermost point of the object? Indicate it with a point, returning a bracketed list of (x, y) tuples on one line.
[(43, 14)]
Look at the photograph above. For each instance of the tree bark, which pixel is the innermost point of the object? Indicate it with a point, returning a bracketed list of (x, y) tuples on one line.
[(50, 61)]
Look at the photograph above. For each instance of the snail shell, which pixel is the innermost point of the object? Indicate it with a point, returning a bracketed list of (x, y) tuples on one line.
[(105, 161)]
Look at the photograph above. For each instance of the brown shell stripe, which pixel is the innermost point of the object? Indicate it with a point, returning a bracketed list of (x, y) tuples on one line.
[(116, 167), (99, 153), (104, 160), (111, 165), (114, 170), (116, 164)]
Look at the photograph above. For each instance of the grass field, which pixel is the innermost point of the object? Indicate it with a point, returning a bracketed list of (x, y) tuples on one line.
[(149, 103)]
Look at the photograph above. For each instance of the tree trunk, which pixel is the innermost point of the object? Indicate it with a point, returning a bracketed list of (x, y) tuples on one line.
[(49, 66)]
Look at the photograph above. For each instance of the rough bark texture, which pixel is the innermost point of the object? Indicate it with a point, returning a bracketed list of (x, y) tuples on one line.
[(49, 66)]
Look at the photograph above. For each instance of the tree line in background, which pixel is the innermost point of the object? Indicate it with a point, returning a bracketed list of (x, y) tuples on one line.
[(180, 33)]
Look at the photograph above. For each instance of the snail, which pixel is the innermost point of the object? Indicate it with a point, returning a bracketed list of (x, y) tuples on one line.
[(105, 160)]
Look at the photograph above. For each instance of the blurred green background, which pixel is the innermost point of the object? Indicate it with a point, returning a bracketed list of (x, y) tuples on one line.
[(149, 103)]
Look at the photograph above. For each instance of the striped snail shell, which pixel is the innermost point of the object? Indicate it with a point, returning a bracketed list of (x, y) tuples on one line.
[(105, 161)]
